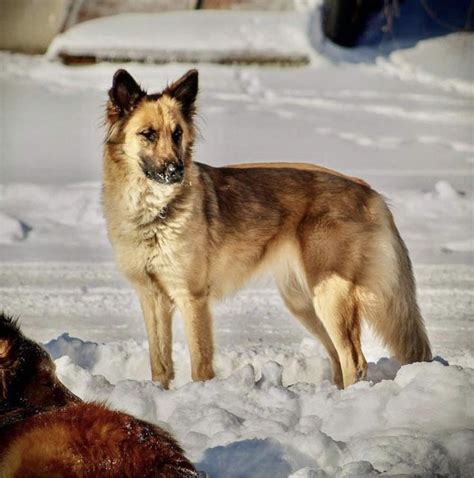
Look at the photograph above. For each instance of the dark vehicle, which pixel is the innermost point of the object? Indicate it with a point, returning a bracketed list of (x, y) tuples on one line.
[(352, 23)]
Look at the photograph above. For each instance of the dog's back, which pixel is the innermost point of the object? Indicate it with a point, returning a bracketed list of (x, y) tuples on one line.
[(46, 431), (89, 440)]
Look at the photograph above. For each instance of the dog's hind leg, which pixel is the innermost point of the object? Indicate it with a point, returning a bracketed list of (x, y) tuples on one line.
[(336, 304), (158, 311), (198, 326), (300, 304)]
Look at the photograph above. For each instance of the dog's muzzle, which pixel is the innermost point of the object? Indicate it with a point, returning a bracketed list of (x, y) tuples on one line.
[(174, 172), (171, 173)]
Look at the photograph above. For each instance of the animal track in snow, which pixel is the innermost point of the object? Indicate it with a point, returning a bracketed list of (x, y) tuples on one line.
[(455, 145), (383, 142), (393, 142)]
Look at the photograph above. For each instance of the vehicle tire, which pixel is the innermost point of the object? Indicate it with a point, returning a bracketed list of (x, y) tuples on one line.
[(343, 20)]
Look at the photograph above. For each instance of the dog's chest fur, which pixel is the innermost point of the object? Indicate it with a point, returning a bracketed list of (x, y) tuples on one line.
[(154, 240)]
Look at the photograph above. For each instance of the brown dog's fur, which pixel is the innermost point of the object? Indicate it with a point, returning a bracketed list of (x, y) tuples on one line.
[(46, 431), (329, 239)]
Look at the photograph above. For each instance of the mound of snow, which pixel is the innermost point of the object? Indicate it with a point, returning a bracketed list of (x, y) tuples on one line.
[(463, 245), (189, 36), (445, 190), (62, 218), (11, 229), (248, 423), (443, 61), (65, 205)]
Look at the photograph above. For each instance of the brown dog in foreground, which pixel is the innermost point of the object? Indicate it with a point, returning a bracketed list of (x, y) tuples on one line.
[(186, 233), (46, 431)]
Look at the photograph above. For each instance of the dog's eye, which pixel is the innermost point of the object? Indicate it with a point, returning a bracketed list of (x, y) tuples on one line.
[(177, 133), (148, 134)]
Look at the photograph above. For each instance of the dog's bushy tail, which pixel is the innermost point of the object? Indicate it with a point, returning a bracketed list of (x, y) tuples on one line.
[(392, 310), (407, 338)]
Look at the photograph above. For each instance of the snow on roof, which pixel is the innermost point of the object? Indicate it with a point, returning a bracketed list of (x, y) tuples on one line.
[(190, 36)]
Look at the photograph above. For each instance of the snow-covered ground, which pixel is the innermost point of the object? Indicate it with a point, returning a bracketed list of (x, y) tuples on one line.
[(404, 123)]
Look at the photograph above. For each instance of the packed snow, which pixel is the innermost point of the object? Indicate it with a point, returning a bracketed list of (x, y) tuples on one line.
[(402, 122)]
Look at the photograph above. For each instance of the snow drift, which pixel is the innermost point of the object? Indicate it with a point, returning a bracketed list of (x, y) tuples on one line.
[(249, 423), (444, 61)]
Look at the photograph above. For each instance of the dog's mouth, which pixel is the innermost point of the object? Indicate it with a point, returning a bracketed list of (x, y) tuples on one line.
[(171, 173)]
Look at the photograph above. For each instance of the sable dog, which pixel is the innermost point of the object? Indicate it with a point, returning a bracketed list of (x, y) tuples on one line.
[(46, 431), (185, 233)]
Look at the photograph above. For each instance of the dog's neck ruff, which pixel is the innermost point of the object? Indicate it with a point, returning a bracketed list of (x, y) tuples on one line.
[(159, 216), (146, 205), (150, 205)]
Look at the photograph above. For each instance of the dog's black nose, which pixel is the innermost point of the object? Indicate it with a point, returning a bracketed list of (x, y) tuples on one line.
[(174, 172)]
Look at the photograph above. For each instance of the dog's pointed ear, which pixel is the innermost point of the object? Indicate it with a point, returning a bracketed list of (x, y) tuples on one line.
[(125, 92), (185, 91)]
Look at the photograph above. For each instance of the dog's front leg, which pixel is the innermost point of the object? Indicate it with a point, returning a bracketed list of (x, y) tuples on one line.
[(198, 326), (158, 311)]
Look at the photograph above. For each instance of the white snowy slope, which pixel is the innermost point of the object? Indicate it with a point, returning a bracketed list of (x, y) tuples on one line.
[(447, 61), (271, 411)]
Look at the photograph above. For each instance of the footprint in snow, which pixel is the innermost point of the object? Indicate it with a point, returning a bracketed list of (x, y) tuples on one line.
[(12, 229)]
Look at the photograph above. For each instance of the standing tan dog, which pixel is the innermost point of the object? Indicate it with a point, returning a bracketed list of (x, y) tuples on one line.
[(186, 233)]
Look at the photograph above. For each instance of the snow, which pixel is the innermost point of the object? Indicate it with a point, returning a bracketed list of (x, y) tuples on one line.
[(11, 230), (248, 422), (444, 61), (204, 35), (402, 122), (450, 58)]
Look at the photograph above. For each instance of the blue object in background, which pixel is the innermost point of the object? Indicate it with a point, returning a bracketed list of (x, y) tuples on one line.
[(417, 20)]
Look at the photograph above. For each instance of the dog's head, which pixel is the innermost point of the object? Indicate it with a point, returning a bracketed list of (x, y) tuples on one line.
[(27, 373), (154, 133)]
